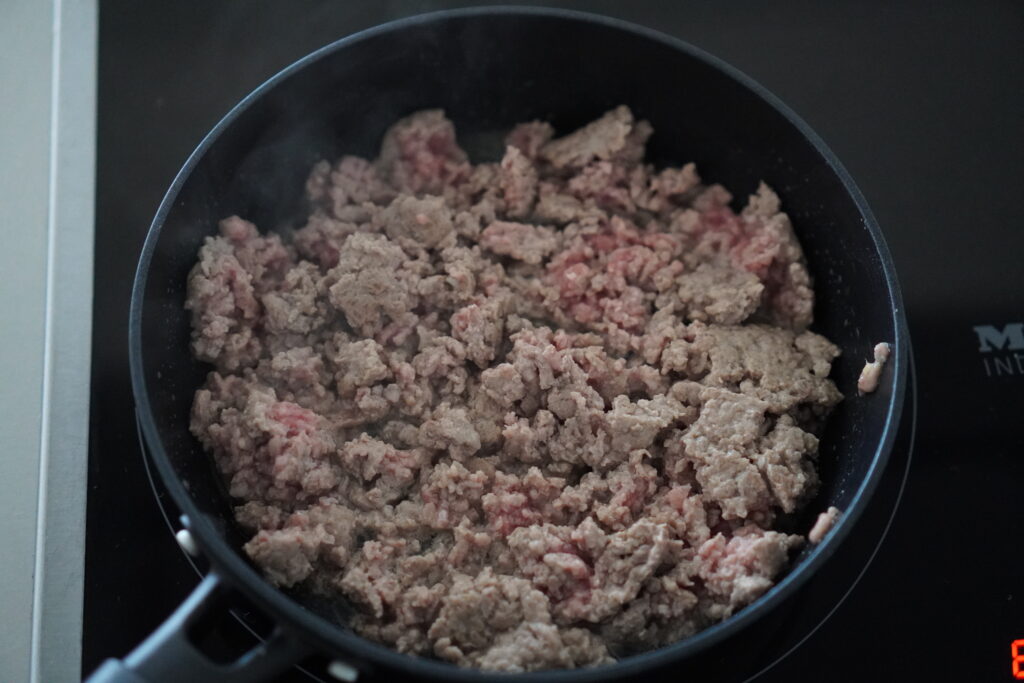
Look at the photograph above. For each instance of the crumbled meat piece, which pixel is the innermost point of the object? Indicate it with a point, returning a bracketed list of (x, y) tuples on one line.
[(358, 364), (626, 487), (321, 238), (739, 569), (769, 363), (519, 501), (529, 243), (441, 359), (635, 425), (288, 555), (719, 294), (370, 580), (663, 191), (503, 384), (608, 277), (529, 137), (351, 182), (635, 147), (494, 621), (869, 376), (450, 430), (296, 308), (823, 525), (388, 470), (300, 376), (425, 222), (254, 515), (224, 305), (759, 240), (556, 206), (264, 257), (452, 494), (664, 612), (544, 646), (606, 184), (582, 439), (742, 463), (526, 439), (518, 181), (518, 415), (369, 283), (590, 591), (419, 154), (269, 450), (480, 329), (597, 140), (682, 511)]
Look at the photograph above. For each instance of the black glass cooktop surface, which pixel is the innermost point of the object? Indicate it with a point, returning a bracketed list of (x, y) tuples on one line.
[(922, 103)]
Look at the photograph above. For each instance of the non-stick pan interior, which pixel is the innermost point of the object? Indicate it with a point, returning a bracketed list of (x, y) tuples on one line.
[(489, 71)]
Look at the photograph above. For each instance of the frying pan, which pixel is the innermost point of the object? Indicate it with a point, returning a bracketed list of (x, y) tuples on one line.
[(490, 68)]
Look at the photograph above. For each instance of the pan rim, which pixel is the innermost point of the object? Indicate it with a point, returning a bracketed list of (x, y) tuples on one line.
[(245, 578)]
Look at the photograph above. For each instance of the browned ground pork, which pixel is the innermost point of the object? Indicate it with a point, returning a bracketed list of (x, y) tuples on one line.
[(522, 415)]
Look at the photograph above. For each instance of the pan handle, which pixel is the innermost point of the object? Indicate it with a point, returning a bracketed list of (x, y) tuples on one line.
[(169, 655)]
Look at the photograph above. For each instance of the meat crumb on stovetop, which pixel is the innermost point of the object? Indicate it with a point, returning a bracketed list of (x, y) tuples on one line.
[(538, 413)]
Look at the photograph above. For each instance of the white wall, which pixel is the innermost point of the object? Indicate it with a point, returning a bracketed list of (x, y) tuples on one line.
[(47, 159)]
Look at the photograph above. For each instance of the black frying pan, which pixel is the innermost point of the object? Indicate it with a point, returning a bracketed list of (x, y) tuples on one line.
[(490, 68)]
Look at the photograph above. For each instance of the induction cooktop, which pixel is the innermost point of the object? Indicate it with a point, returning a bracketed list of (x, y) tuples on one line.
[(923, 105)]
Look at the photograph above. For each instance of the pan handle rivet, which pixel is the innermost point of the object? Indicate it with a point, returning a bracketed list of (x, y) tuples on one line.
[(343, 671), (187, 543)]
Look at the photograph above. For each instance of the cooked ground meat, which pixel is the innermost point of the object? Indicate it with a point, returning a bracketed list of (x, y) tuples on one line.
[(826, 520), (531, 414), (872, 371)]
